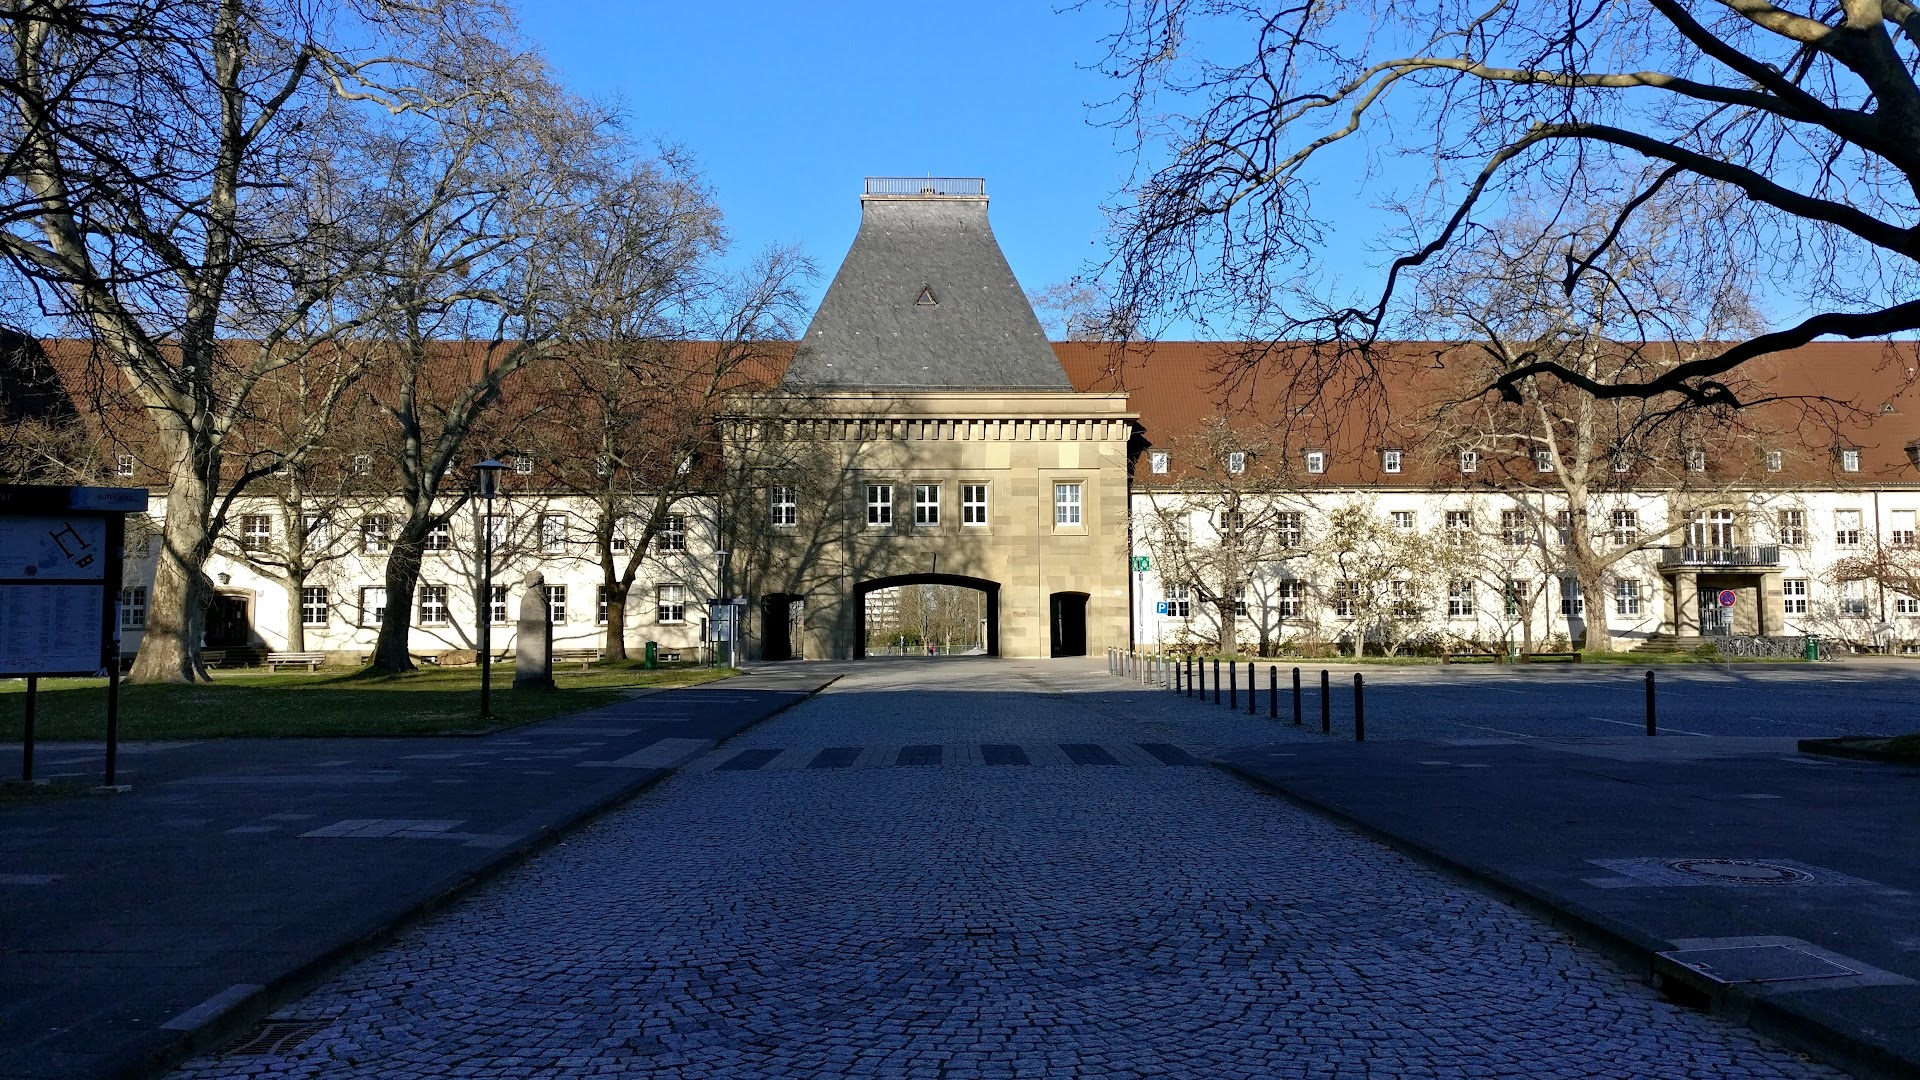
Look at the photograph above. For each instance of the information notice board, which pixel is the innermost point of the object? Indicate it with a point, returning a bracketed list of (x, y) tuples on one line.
[(60, 556)]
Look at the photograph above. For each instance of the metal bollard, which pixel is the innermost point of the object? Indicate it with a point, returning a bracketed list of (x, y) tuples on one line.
[(1359, 709), (1649, 703), (1296, 697), (1203, 679), (1273, 692), (1233, 685), (1326, 703), (1216, 680), (1250, 688)]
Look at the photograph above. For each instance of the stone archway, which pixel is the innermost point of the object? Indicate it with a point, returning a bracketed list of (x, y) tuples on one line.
[(860, 591)]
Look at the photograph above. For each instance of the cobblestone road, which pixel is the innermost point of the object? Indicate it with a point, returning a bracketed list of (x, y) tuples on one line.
[(987, 869)]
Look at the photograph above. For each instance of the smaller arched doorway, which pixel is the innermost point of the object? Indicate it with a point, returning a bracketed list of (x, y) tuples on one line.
[(991, 589), (781, 619)]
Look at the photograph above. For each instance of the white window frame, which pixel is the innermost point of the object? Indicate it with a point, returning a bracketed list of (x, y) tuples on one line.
[(1572, 603), (926, 506), (1625, 527), (1904, 604), (1513, 528), (256, 532), (1626, 596), (1776, 460), (523, 464), (1459, 527), (1469, 461), (439, 538), (133, 607), (1403, 520), (1853, 599), (1344, 595), (1316, 461), (1236, 462), (1179, 600), (1849, 460), (1391, 460), (670, 603), (376, 534), (1289, 528), (498, 605), (316, 606), (1843, 536), (672, 535), (1794, 594), (1896, 535), (373, 604), (879, 506), (600, 606), (1290, 599), (556, 603), (433, 607), (1792, 525), (1696, 461), (1543, 461), (783, 501), (553, 533), (1067, 505), (1517, 598), (123, 465), (1158, 461), (973, 505), (1460, 598)]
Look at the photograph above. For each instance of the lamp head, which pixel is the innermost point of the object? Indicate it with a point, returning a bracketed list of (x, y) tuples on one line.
[(489, 473)]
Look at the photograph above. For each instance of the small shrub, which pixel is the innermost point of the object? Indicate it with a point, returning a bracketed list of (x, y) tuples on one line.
[(1707, 650)]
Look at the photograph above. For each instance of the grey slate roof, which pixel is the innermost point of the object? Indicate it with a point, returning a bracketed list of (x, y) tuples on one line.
[(876, 329)]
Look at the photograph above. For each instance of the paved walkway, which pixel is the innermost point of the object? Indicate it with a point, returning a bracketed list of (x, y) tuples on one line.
[(131, 925), (970, 869)]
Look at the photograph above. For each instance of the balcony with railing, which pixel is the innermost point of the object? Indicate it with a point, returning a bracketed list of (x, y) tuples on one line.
[(927, 186), (1743, 555)]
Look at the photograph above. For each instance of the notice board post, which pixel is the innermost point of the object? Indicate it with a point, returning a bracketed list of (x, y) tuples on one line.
[(61, 550)]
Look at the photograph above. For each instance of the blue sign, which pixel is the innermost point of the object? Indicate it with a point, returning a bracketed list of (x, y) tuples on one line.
[(1160, 608)]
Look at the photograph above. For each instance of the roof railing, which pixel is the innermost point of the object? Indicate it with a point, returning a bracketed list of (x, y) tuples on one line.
[(927, 185)]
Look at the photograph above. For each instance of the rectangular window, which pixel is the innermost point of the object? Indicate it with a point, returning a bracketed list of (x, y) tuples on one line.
[(1795, 591), (926, 504), (1626, 527), (497, 605), (1543, 460), (600, 607), (1287, 529), (440, 538), (785, 505), (133, 607), (1513, 527), (1696, 461), (1402, 520), (672, 535), (362, 464), (1775, 460), (495, 526), (1157, 462), (433, 605), (1626, 596), (973, 504), (879, 506), (317, 529), (1232, 522), (1316, 461), (1469, 461), (553, 533), (1405, 604), (256, 532), (1240, 602), (376, 532), (1563, 525), (1459, 527), (1517, 593), (373, 605), (1906, 605), (1622, 461), (1390, 461), (1460, 598), (556, 603), (670, 604), (1849, 461), (1237, 462), (1571, 602), (314, 606), (123, 465), (1901, 531), (1066, 504), (1290, 598), (1793, 527), (1846, 528), (1344, 595), (1853, 598), (1179, 600), (523, 464)]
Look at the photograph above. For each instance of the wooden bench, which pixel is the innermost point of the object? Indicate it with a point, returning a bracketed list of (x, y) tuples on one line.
[(1569, 657), (310, 660), (586, 658)]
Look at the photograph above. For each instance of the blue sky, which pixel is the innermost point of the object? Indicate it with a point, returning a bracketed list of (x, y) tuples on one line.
[(788, 106)]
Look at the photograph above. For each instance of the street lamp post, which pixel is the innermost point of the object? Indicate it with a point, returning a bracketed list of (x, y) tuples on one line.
[(488, 472)]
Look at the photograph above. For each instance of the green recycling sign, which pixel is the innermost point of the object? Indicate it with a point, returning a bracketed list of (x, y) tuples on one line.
[(1141, 564)]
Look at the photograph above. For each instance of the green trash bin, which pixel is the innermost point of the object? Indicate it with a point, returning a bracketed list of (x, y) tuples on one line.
[(1810, 647), (653, 655)]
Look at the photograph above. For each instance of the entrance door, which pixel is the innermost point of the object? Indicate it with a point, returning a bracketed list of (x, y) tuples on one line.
[(1715, 621), (227, 626), (1069, 623), (779, 626)]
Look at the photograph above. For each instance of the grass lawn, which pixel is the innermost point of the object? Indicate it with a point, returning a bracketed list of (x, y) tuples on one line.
[(243, 704), (14, 793)]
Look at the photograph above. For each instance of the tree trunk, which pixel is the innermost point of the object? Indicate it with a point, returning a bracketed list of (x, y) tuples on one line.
[(177, 605), (1229, 636), (296, 616), (616, 647), (390, 652), (1592, 586)]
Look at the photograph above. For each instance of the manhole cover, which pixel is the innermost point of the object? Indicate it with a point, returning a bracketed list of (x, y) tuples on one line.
[(1741, 871), (271, 1038), (1758, 963)]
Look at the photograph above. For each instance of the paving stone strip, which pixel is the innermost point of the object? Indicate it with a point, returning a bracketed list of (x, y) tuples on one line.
[(962, 920)]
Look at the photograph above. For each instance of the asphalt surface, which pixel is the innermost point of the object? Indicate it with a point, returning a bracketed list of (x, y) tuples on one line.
[(136, 927), (976, 868)]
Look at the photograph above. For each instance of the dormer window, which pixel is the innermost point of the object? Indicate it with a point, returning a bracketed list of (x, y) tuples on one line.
[(1390, 461), (1157, 462), (1237, 462), (1543, 460), (1849, 459), (1621, 462), (523, 464), (1696, 461), (1775, 460), (1316, 461), (1469, 461)]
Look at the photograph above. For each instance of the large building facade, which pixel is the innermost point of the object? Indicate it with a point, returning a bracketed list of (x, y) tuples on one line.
[(925, 431)]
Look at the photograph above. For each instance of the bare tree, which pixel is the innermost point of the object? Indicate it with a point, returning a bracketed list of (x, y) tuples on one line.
[(1801, 121), (168, 190), (1387, 581)]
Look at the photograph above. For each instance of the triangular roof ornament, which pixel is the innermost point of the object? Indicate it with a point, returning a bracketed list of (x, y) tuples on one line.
[(926, 297)]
